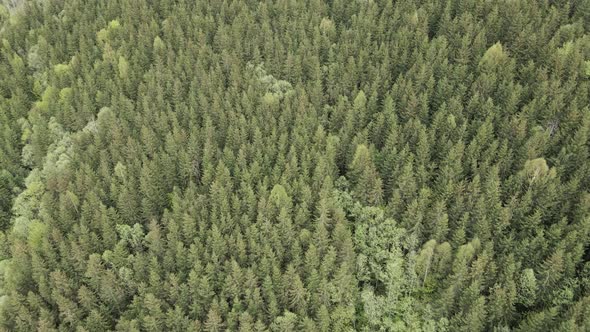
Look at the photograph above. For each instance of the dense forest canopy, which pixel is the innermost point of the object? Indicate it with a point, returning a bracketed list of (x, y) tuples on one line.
[(282, 165)]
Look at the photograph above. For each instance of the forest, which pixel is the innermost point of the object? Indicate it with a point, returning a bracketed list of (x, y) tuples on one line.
[(295, 165)]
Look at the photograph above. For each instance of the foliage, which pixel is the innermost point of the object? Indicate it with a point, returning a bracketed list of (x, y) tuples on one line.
[(294, 165)]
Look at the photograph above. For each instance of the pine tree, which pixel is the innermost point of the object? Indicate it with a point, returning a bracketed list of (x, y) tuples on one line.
[(366, 181)]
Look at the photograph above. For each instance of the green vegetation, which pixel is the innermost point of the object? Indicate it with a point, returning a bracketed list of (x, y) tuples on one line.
[(342, 165)]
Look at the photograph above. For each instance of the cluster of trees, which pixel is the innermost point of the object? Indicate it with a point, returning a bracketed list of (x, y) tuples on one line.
[(295, 165)]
